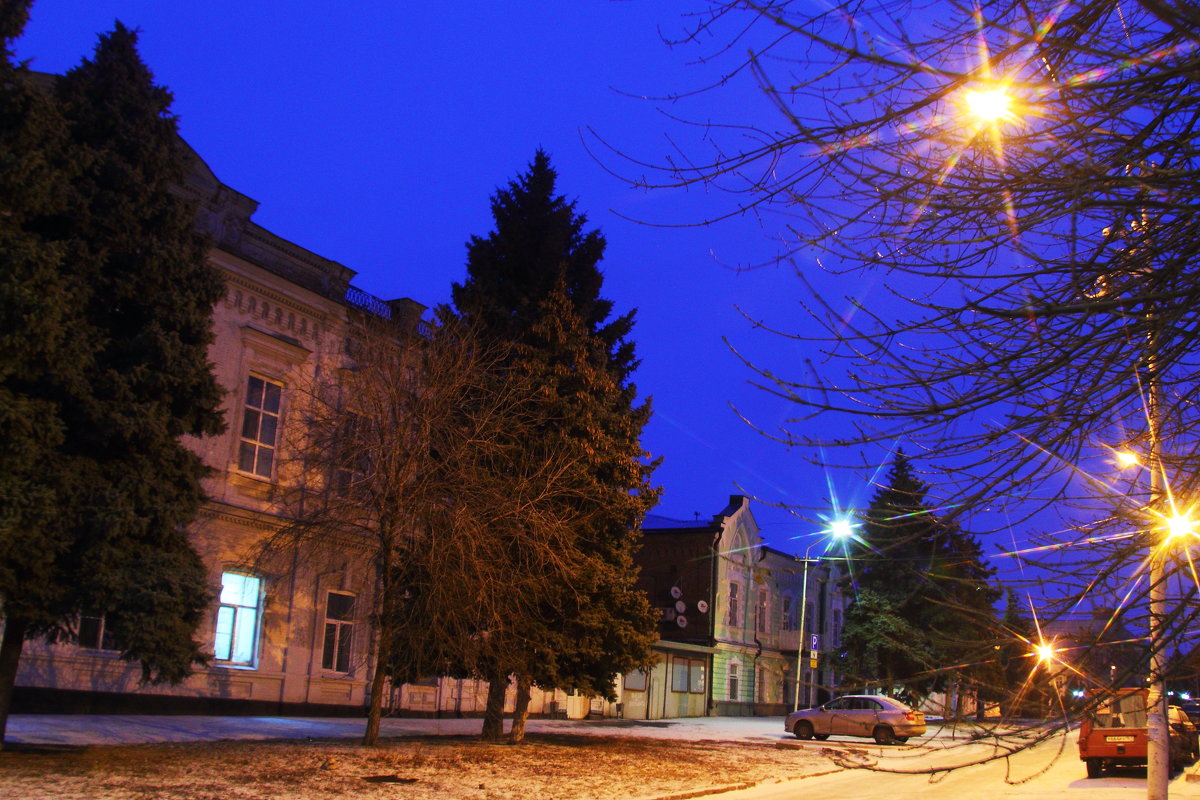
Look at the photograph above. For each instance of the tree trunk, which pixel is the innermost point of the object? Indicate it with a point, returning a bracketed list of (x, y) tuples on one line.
[(493, 716), (10, 659), (375, 711), (521, 712)]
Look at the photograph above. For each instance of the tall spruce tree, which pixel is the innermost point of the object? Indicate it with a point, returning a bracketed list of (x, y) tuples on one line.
[(534, 282), (132, 381), (37, 305), (149, 312), (923, 615)]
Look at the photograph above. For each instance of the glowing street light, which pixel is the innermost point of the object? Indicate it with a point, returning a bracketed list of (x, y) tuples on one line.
[(1045, 652), (839, 529), (990, 105), (1126, 459), (1180, 525)]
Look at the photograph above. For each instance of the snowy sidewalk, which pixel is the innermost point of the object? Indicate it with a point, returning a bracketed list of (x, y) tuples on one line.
[(96, 729)]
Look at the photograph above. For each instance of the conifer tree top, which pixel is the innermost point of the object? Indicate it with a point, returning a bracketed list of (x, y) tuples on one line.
[(538, 240)]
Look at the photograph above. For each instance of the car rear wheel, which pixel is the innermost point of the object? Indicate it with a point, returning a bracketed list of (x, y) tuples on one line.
[(803, 729), (901, 739), (1094, 767), (884, 734)]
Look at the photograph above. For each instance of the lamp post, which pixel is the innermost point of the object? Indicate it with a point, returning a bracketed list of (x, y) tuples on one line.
[(1169, 527), (839, 529), (989, 105), (1158, 754)]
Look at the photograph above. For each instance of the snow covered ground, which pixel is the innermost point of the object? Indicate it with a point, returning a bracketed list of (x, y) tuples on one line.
[(248, 758), (97, 758), (138, 729)]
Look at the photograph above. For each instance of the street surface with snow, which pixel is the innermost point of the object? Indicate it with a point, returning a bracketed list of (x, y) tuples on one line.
[(196, 758)]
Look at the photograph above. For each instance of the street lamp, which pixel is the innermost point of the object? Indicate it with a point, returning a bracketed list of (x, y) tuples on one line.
[(1176, 525), (840, 529), (989, 104), (1126, 458), (1180, 525)]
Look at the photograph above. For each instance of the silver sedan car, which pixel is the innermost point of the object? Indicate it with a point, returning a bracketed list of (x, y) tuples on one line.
[(881, 718)]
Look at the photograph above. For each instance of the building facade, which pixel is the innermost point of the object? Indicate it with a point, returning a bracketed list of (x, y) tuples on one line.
[(288, 632), (291, 634), (729, 629)]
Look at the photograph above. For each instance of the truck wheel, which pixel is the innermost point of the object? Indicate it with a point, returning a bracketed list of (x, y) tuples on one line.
[(1094, 767)]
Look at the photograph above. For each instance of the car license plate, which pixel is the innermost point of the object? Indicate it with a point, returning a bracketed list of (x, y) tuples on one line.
[(1118, 738)]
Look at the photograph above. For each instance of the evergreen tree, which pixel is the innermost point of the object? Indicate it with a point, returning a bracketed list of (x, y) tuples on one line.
[(133, 381), (535, 282), (878, 642), (36, 353), (149, 313), (929, 575), (598, 625)]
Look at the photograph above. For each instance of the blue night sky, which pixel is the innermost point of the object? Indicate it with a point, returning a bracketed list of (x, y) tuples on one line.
[(374, 133)]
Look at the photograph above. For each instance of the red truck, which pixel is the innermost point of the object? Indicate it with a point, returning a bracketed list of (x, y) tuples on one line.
[(1114, 733)]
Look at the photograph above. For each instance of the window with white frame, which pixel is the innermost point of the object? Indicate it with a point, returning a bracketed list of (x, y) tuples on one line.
[(787, 620), (239, 617), (679, 674), (687, 675), (260, 427), (339, 631), (734, 599), (735, 674)]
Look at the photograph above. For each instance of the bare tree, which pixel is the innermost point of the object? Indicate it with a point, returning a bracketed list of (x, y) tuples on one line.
[(411, 450), (1021, 179)]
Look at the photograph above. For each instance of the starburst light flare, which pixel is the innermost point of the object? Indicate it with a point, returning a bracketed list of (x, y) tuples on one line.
[(991, 106)]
